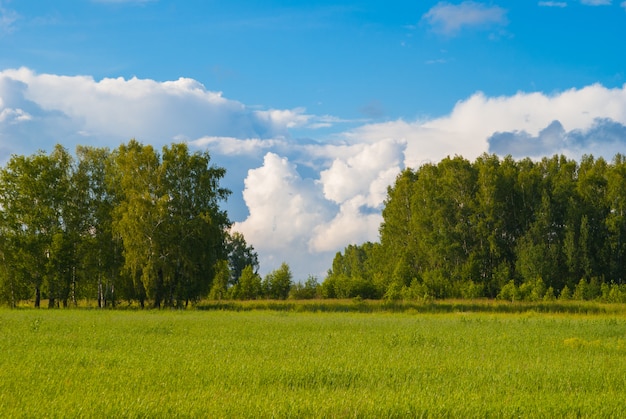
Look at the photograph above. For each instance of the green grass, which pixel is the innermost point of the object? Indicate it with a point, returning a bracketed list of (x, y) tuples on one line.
[(73, 363)]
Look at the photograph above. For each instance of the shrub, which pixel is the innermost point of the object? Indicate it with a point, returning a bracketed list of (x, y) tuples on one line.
[(249, 286), (549, 295), (394, 292), (437, 284), (416, 291), (469, 289), (278, 283), (509, 292), (309, 290), (580, 292)]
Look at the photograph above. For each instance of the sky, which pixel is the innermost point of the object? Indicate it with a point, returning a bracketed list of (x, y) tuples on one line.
[(314, 107)]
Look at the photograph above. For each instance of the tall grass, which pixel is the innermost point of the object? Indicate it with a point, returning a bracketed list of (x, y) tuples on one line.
[(276, 363), (358, 305)]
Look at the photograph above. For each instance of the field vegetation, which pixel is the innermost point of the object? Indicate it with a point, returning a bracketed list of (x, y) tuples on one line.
[(351, 359)]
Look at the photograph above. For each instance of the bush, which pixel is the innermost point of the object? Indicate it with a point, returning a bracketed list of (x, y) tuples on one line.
[(549, 295), (394, 292), (594, 289), (532, 290), (309, 290), (249, 286), (468, 289), (509, 292), (580, 292), (278, 283), (617, 294), (437, 284), (416, 291)]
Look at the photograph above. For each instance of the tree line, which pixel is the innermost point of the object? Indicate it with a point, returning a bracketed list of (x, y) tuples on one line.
[(524, 229), (129, 224), (134, 224)]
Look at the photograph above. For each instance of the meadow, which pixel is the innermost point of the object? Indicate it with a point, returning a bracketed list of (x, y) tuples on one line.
[(288, 363)]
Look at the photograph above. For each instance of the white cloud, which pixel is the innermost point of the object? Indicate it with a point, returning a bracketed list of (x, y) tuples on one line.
[(466, 129), (14, 116), (350, 226), (449, 19), (300, 218), (355, 175), (79, 109), (288, 118), (552, 4), (232, 146), (282, 205), (623, 4), (604, 137), (596, 2), (7, 19), (284, 210)]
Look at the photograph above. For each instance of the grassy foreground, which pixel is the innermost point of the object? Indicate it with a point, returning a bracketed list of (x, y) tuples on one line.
[(86, 363)]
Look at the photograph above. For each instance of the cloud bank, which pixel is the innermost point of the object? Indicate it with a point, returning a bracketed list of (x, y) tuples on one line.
[(113, 110), (301, 200)]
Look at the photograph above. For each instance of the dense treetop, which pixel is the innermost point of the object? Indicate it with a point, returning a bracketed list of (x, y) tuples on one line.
[(130, 224), (494, 227)]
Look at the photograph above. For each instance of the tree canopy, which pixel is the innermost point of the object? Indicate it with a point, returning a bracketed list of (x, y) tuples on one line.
[(487, 228), (130, 223)]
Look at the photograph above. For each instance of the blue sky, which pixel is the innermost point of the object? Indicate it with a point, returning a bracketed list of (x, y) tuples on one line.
[(314, 107)]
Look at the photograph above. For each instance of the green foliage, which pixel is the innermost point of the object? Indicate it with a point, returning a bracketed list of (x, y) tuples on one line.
[(470, 289), (249, 286), (581, 291), (219, 289), (467, 230), (129, 224), (354, 274), (549, 295), (240, 255), (278, 283), (309, 290), (509, 292), (415, 291)]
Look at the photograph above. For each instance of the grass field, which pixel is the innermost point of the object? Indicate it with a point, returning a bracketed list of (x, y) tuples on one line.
[(90, 363)]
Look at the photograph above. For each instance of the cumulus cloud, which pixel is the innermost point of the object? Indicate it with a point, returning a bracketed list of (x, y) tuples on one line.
[(295, 216), (349, 226), (80, 109), (284, 210), (449, 19), (604, 137), (357, 174), (472, 122)]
